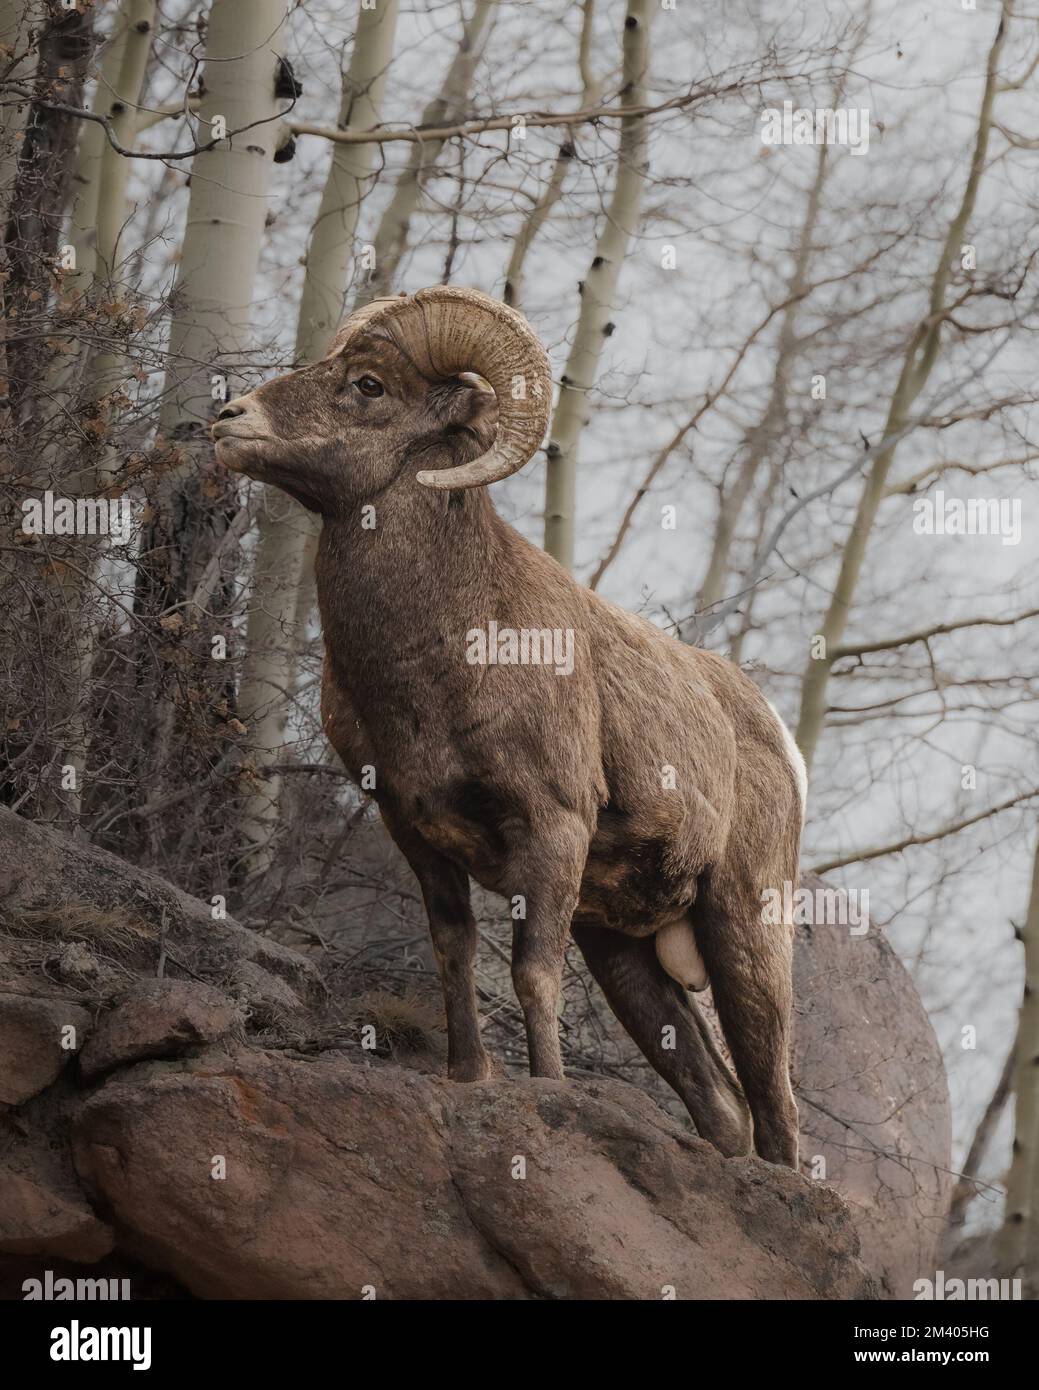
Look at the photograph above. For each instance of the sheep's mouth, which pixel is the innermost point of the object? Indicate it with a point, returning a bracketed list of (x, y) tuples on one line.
[(223, 435), (245, 456), (244, 445)]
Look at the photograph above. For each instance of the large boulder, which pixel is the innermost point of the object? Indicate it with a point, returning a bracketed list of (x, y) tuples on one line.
[(230, 1132), (873, 1097), (251, 1175)]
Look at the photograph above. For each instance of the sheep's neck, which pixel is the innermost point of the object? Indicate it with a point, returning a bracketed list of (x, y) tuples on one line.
[(398, 597)]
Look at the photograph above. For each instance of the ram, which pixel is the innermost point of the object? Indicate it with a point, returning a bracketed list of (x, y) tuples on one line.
[(639, 794)]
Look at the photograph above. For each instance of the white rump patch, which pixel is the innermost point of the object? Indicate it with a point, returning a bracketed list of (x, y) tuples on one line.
[(680, 956), (794, 757)]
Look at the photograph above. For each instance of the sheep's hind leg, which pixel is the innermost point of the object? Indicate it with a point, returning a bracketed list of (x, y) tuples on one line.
[(647, 1001), (749, 964)]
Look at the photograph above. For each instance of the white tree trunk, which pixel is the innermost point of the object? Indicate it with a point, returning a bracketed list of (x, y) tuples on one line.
[(590, 96), (214, 293), (532, 224), (1019, 1238), (331, 251), (286, 530), (597, 294), (105, 195), (90, 151), (227, 209), (100, 201), (122, 112)]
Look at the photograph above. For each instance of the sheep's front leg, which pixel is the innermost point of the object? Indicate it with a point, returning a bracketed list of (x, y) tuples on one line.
[(550, 868), (445, 891)]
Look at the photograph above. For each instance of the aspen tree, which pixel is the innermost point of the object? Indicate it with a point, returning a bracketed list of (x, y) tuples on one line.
[(591, 94), (223, 236), (331, 250), (1019, 1237), (122, 113), (90, 151), (213, 297), (99, 213), (532, 224), (917, 365), (227, 209), (597, 293), (285, 528), (104, 200)]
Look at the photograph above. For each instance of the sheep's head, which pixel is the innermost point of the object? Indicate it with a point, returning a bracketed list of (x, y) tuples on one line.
[(400, 382)]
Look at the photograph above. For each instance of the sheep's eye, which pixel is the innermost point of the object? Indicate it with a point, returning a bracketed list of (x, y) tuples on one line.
[(368, 386)]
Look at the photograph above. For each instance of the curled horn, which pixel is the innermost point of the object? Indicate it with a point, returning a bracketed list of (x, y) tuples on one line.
[(461, 330)]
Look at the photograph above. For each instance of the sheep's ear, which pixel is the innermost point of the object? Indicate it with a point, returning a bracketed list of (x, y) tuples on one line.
[(483, 417)]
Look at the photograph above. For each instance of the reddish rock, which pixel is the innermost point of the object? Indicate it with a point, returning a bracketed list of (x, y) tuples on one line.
[(157, 1018), (341, 1177)]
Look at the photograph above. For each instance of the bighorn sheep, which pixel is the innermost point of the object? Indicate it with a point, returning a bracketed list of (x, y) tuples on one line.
[(637, 792)]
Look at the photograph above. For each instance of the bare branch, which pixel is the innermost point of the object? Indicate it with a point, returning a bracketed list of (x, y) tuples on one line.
[(878, 852), (925, 634)]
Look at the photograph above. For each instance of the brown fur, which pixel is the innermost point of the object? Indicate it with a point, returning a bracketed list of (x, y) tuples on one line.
[(541, 786)]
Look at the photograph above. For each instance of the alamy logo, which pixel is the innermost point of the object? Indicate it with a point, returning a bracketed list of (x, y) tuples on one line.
[(942, 1290), (818, 907), (971, 516), (522, 646), (823, 126), (77, 516), (82, 1290), (79, 1343)]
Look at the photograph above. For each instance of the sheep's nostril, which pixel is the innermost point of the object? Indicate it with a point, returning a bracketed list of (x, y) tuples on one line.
[(232, 409)]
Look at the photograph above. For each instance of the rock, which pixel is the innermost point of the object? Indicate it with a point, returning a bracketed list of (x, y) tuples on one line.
[(873, 1097), (36, 1219), (31, 1051), (265, 996), (338, 1176), (619, 1202), (42, 871), (43, 1210), (341, 1174), (76, 965), (157, 1018)]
